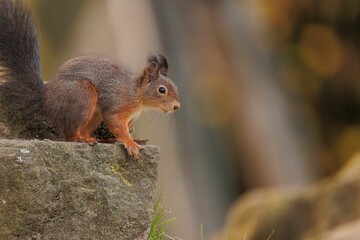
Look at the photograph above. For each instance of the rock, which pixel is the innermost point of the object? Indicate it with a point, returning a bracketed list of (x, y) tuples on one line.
[(63, 190), (314, 212), (349, 231)]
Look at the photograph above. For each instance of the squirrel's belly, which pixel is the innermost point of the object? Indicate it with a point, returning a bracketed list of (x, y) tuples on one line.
[(134, 116)]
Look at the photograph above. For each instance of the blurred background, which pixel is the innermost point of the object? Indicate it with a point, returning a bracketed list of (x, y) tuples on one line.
[(270, 90)]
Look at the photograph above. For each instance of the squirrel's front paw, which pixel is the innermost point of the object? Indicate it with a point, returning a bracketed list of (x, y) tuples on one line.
[(133, 149), (91, 141)]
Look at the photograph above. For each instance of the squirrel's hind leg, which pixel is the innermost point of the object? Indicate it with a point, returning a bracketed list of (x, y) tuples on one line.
[(94, 121), (88, 118)]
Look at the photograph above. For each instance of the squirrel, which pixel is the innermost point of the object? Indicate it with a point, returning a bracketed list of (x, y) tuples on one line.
[(86, 90)]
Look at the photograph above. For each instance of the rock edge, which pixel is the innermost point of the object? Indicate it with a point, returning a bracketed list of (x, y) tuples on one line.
[(63, 190)]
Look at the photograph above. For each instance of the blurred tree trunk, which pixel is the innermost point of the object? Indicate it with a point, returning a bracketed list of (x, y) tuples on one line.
[(199, 72), (232, 101), (271, 139)]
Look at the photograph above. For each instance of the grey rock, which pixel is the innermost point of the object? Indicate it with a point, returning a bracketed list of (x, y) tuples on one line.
[(348, 231), (63, 190), (320, 211)]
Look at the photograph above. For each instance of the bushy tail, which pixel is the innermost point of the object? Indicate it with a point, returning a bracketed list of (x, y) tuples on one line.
[(19, 58)]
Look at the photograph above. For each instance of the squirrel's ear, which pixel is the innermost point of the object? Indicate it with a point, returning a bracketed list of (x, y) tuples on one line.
[(163, 65), (161, 61), (152, 71)]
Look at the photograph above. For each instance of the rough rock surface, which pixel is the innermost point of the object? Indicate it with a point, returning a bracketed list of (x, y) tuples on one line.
[(328, 210), (62, 190)]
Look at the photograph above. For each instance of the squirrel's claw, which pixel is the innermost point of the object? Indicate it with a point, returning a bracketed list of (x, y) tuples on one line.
[(133, 149), (133, 152), (91, 141)]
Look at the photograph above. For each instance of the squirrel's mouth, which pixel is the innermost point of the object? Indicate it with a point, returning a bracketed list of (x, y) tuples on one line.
[(164, 110)]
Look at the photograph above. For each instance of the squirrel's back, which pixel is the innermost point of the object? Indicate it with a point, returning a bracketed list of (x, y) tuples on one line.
[(94, 67), (20, 74), (111, 79)]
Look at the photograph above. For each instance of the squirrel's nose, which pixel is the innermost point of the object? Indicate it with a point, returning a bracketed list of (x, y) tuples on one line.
[(176, 106)]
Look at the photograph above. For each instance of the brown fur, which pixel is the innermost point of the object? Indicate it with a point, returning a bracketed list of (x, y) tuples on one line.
[(91, 121)]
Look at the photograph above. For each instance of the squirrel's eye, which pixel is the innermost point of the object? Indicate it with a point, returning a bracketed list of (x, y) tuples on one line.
[(162, 90)]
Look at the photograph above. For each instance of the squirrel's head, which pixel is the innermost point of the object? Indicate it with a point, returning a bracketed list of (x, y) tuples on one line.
[(157, 90)]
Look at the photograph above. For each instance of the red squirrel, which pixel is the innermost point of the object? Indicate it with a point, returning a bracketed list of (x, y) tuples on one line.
[(85, 91)]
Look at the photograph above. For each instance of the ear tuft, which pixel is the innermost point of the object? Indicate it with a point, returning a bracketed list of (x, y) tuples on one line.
[(160, 60), (151, 71)]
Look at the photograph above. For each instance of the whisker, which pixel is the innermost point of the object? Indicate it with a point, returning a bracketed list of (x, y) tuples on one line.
[(171, 118), (154, 116), (149, 120), (177, 117)]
